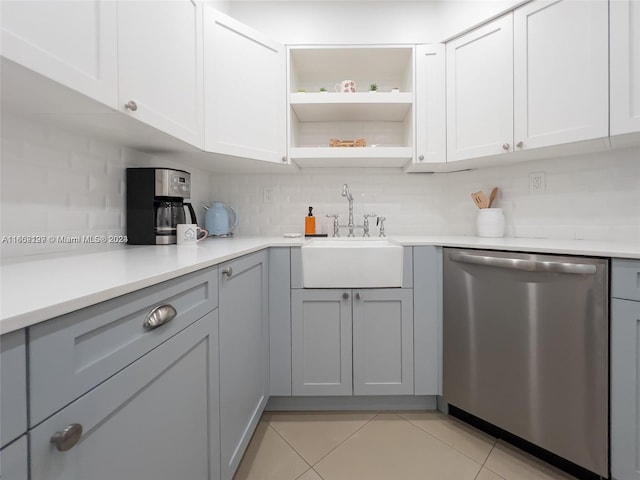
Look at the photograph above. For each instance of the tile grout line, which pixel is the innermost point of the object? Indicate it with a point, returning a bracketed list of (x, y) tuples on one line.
[(292, 448), (450, 446), (377, 412)]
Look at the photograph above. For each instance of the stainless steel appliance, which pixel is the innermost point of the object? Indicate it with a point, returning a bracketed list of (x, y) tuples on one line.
[(526, 348), (156, 204)]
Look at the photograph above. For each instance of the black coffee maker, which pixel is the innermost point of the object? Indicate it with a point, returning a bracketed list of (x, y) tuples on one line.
[(156, 204)]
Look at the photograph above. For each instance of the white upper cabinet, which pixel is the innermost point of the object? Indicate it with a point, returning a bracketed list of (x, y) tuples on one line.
[(431, 137), (625, 66), (480, 91), (319, 111), (160, 66), (72, 43), (560, 72), (245, 82)]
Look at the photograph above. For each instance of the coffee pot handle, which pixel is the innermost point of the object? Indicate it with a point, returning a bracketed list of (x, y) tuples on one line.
[(192, 212)]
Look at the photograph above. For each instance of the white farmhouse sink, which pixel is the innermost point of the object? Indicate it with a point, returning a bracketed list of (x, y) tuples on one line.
[(351, 263)]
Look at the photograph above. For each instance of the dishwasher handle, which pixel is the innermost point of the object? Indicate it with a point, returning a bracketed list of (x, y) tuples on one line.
[(526, 265)]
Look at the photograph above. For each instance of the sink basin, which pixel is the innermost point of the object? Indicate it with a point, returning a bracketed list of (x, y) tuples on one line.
[(351, 263)]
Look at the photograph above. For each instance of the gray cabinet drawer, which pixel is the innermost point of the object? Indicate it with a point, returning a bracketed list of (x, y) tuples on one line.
[(13, 386), (75, 352), (625, 279)]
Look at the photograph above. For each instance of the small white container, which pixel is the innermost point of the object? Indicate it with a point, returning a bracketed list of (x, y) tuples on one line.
[(491, 223)]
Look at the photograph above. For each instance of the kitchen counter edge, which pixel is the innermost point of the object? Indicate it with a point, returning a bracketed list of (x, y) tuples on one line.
[(38, 288)]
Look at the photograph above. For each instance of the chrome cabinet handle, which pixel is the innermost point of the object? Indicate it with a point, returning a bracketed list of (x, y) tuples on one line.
[(421, 158), (159, 316), (527, 265), (67, 438), (284, 159), (519, 144), (358, 296), (506, 146), (227, 271), (345, 295), (131, 105)]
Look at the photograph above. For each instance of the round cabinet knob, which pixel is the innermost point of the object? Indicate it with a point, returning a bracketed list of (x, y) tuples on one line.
[(345, 295), (227, 271), (506, 146), (284, 159), (358, 296), (67, 438), (519, 144), (421, 158), (131, 105)]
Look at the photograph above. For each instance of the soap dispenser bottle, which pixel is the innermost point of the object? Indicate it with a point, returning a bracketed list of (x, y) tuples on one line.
[(310, 223)]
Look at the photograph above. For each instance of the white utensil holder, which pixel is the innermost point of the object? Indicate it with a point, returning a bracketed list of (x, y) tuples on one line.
[(491, 223)]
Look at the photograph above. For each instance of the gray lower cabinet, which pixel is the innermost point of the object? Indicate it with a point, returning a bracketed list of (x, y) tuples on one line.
[(383, 342), (244, 354), (13, 387), (625, 370), (157, 419), (13, 406), (321, 351), (348, 342)]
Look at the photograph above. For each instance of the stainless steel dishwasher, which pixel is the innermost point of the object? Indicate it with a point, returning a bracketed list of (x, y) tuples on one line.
[(526, 348)]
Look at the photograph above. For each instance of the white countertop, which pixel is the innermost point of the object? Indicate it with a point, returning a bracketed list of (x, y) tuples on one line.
[(40, 287)]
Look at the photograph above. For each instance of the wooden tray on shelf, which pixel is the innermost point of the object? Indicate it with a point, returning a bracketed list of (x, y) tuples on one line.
[(358, 142)]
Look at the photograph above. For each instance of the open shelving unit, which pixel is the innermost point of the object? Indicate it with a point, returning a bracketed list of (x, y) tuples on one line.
[(385, 119)]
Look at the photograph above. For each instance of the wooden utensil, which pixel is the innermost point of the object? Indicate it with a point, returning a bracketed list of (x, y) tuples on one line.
[(492, 197), (479, 199)]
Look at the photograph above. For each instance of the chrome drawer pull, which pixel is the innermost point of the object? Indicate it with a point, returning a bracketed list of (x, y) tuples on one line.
[(67, 438), (159, 316), (227, 271)]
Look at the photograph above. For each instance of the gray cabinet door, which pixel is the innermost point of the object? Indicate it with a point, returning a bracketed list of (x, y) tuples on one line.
[(382, 341), (13, 386), (321, 329), (625, 390), (155, 420), (244, 354), (14, 463)]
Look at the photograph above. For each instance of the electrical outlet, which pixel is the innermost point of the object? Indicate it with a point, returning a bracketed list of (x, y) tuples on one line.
[(537, 182), (267, 195)]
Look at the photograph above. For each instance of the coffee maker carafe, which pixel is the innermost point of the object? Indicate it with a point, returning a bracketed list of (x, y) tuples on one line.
[(156, 205)]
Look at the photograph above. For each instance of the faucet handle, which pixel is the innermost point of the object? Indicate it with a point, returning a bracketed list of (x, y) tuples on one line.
[(336, 227), (367, 215), (380, 222)]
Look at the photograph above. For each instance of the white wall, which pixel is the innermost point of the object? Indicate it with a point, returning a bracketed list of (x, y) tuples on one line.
[(593, 196), (56, 182)]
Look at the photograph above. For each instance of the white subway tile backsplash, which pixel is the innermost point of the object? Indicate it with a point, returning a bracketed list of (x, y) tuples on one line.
[(586, 196), (58, 182)]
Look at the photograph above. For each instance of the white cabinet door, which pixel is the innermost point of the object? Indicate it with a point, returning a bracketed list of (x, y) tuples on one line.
[(244, 354), (245, 87), (431, 137), (321, 329), (480, 91), (625, 66), (383, 342), (73, 43), (160, 65), (625, 390), (560, 72)]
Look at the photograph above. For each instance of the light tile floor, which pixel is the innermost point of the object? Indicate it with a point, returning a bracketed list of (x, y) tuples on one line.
[(382, 446)]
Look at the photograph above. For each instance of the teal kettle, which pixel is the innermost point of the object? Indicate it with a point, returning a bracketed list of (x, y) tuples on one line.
[(220, 219)]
